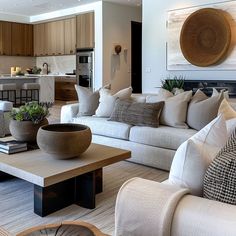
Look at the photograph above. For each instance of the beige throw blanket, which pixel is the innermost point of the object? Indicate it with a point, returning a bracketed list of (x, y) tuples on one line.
[(146, 208)]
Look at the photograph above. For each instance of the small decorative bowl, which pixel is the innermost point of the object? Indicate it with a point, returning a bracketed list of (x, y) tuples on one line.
[(64, 141)]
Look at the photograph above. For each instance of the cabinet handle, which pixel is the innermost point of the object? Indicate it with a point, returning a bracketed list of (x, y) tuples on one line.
[(71, 51)]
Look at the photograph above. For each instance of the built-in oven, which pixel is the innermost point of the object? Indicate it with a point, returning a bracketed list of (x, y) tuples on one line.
[(85, 67)]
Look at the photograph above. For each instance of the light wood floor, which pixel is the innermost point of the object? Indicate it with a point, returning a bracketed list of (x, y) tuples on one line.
[(16, 197)]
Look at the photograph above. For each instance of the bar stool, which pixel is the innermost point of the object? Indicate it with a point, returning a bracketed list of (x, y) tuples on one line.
[(29, 92), (8, 92)]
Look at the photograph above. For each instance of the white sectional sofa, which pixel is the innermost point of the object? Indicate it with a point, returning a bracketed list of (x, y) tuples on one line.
[(153, 147)]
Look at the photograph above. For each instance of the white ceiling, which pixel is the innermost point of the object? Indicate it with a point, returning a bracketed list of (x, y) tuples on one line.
[(37, 7)]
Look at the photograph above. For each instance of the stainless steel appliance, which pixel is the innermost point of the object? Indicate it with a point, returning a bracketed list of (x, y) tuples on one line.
[(85, 67)]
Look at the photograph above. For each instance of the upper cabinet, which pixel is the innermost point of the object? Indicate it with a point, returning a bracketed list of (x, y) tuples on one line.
[(21, 39), (5, 38), (85, 30), (70, 35), (39, 40)]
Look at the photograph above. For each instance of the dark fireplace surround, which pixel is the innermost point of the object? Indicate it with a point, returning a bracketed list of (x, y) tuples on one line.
[(207, 85)]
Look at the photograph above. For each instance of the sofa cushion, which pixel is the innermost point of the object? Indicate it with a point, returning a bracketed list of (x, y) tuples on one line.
[(88, 101), (202, 109), (164, 136), (175, 109), (107, 100), (227, 110), (134, 113), (101, 126), (192, 158)]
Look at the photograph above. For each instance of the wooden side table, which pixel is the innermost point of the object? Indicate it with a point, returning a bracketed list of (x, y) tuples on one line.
[(67, 228)]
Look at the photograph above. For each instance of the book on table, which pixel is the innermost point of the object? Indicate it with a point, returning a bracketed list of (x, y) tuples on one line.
[(12, 145), (15, 150)]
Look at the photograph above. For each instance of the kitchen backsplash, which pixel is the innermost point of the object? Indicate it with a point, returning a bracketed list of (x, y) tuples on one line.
[(6, 62), (58, 64)]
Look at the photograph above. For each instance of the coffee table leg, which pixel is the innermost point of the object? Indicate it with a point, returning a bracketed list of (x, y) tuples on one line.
[(55, 197), (81, 190), (99, 179), (5, 176), (87, 185)]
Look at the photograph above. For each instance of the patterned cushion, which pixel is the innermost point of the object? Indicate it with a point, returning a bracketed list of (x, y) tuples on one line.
[(220, 177), (133, 113)]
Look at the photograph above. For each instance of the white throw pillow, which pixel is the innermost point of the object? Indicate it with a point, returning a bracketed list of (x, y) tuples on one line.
[(194, 156), (107, 100)]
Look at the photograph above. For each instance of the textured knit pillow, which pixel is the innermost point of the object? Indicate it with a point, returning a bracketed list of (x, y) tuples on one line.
[(220, 177), (140, 114), (88, 101)]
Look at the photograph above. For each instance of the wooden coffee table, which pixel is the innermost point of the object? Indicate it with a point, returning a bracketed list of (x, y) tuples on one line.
[(60, 183)]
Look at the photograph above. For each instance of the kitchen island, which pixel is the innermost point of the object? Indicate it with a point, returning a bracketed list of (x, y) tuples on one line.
[(62, 84), (47, 85)]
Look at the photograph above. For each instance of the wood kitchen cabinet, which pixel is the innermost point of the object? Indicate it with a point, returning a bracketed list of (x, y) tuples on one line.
[(65, 89), (85, 30), (5, 38), (39, 39), (70, 36), (28, 40), (49, 38), (59, 33), (21, 39)]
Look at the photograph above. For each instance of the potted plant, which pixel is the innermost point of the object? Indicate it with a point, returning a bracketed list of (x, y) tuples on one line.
[(27, 119), (174, 85)]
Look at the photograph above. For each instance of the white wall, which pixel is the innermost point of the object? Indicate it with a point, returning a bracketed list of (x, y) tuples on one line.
[(117, 29), (154, 45), (6, 62)]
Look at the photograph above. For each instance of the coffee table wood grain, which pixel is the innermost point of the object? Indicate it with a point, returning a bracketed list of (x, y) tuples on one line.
[(59, 183)]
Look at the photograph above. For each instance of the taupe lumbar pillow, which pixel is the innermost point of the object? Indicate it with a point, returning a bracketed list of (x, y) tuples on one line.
[(107, 100), (202, 109), (88, 101), (140, 114), (220, 178)]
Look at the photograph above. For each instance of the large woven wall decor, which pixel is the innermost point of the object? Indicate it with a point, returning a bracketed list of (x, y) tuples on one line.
[(202, 37), (205, 37)]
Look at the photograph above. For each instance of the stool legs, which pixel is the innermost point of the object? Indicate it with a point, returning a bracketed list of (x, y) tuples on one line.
[(10, 96), (30, 95)]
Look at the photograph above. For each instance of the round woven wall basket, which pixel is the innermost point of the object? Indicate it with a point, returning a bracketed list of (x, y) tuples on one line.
[(205, 37)]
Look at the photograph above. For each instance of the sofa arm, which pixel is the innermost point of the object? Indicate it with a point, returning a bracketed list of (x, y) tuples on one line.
[(145, 207), (68, 112), (197, 216)]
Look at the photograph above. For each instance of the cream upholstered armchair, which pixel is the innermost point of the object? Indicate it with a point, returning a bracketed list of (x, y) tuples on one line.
[(176, 207), (5, 108), (145, 207)]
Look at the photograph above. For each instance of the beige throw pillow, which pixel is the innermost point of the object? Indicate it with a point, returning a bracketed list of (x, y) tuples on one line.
[(203, 109), (107, 100), (88, 101), (193, 157), (174, 112), (175, 108), (227, 110)]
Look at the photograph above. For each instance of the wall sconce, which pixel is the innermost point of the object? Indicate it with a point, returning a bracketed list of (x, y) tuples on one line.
[(117, 49)]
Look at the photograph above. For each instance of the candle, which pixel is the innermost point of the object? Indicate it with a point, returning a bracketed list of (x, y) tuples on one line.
[(18, 69), (13, 70)]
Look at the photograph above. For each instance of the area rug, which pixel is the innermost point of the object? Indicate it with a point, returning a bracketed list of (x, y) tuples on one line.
[(16, 200)]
